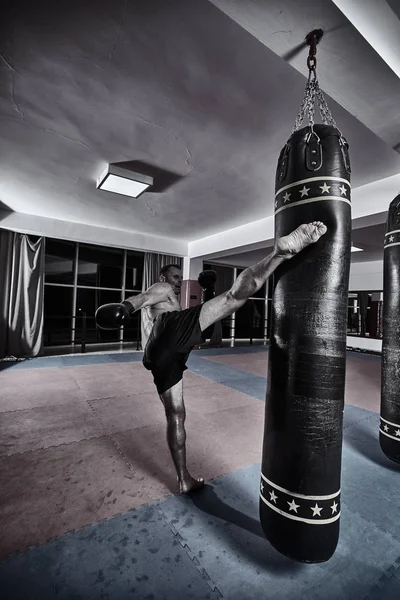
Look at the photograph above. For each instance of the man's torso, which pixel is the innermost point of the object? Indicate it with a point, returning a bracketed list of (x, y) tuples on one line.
[(168, 305), (150, 313)]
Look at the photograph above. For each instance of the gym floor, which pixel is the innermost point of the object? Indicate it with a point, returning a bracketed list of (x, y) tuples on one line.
[(88, 499)]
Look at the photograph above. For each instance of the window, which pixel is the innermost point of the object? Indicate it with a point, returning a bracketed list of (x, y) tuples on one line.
[(59, 261), (88, 301), (224, 282), (260, 293), (364, 314), (249, 320), (100, 280), (132, 332), (134, 270), (58, 302), (100, 267)]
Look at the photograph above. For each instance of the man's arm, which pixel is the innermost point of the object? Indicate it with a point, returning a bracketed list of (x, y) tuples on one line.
[(159, 292), (114, 315)]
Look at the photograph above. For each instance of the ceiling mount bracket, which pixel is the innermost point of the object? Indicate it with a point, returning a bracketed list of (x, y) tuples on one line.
[(313, 39)]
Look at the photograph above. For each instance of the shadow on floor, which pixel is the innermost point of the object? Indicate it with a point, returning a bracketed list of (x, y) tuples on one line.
[(362, 436), (7, 364), (258, 549), (143, 458)]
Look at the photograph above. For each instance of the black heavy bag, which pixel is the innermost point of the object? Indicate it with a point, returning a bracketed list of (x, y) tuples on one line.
[(207, 280), (389, 430), (300, 478)]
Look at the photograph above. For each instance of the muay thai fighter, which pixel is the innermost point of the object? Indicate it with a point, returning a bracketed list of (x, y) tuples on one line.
[(172, 333)]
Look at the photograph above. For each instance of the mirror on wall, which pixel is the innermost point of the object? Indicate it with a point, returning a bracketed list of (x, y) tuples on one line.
[(364, 314)]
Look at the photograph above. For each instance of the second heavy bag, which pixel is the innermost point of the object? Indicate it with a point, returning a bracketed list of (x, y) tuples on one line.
[(389, 430), (301, 463), (207, 280)]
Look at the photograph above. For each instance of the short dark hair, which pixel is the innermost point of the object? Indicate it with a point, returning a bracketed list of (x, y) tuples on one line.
[(166, 268)]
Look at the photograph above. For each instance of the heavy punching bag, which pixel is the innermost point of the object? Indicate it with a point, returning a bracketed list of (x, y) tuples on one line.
[(389, 430), (207, 280), (301, 462)]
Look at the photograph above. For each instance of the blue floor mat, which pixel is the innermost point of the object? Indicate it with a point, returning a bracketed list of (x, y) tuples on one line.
[(236, 379), (222, 529), (128, 557), (370, 481), (211, 543), (87, 359), (127, 357), (72, 361), (33, 363)]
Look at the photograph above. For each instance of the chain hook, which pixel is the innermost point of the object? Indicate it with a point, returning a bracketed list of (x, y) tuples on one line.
[(313, 94), (312, 40), (311, 63)]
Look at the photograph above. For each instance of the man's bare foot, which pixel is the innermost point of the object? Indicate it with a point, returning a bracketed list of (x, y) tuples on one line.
[(189, 484), (303, 236)]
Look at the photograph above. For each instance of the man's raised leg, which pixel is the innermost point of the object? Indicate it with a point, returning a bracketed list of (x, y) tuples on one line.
[(252, 278), (175, 412)]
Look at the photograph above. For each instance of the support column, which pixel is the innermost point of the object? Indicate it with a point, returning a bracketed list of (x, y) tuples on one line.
[(191, 290)]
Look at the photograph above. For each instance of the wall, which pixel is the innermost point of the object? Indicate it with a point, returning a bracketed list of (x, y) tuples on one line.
[(366, 276), (191, 293), (81, 232), (192, 267), (249, 233), (371, 344)]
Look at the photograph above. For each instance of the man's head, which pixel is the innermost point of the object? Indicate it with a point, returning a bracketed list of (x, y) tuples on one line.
[(172, 274)]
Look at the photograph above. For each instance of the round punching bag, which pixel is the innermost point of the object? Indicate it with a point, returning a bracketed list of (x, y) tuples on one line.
[(301, 463), (389, 430)]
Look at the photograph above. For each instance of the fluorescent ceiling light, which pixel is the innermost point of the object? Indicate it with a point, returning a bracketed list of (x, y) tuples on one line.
[(123, 181), (355, 249)]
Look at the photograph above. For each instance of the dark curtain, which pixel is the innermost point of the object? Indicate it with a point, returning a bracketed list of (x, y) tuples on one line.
[(223, 283), (21, 295), (224, 278), (153, 264)]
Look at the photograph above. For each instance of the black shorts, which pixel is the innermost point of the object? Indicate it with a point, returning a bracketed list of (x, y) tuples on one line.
[(173, 336)]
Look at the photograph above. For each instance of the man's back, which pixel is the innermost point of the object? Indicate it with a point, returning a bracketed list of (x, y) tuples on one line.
[(161, 299)]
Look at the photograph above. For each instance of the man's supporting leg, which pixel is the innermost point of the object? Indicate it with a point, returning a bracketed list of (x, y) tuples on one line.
[(252, 278), (175, 413)]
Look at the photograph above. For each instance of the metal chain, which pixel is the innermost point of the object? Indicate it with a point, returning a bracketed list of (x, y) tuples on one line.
[(307, 107), (312, 95), (324, 109)]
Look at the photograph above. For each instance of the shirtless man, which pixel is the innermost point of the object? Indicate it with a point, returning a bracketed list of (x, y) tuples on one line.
[(172, 332)]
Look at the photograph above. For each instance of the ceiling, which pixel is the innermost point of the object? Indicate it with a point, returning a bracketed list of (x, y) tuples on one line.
[(370, 240), (350, 69), (206, 92), (395, 6)]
